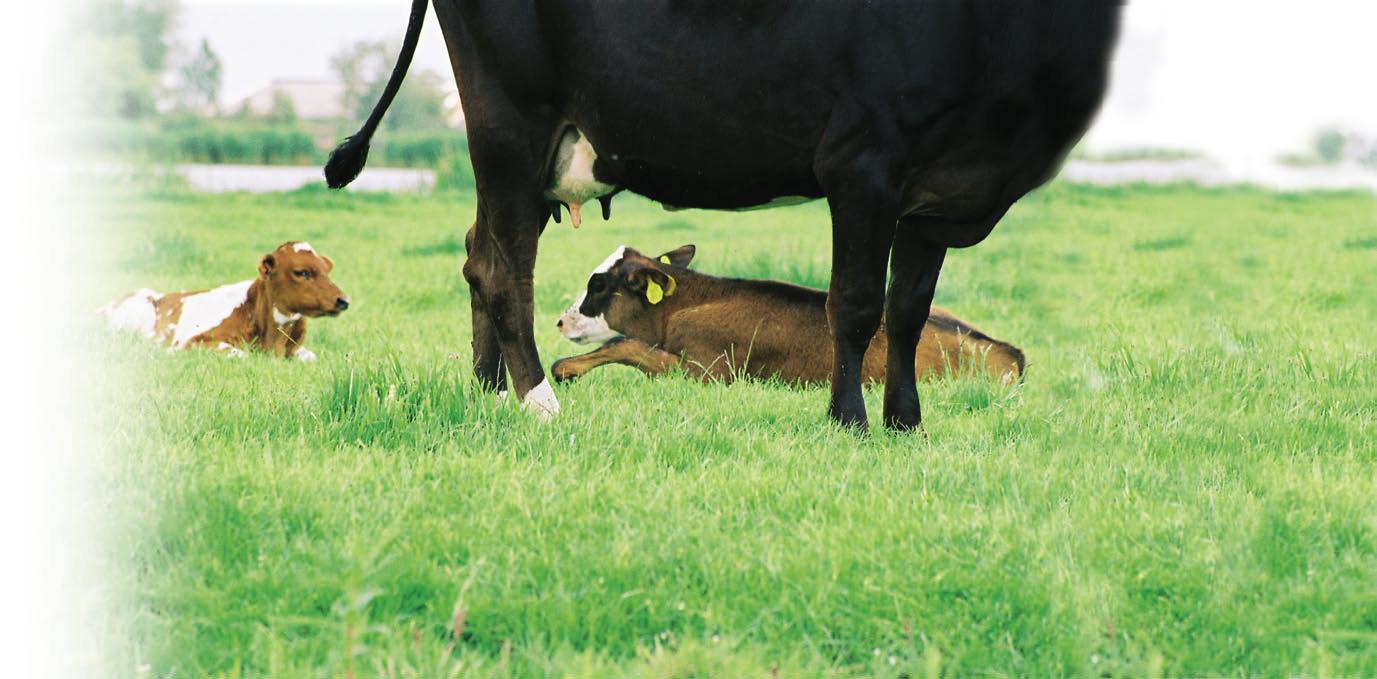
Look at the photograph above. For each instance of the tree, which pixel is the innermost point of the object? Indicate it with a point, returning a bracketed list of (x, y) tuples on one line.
[(199, 79), (119, 87), (364, 68), (124, 47), (147, 22), (283, 111), (420, 104), (1329, 146)]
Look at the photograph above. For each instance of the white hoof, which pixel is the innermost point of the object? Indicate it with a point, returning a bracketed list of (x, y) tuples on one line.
[(541, 401), (306, 355)]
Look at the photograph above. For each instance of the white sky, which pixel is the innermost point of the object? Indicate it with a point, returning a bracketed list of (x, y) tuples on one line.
[(1242, 80)]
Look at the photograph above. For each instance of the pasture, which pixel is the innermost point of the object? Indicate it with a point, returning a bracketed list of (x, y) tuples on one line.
[(1183, 485)]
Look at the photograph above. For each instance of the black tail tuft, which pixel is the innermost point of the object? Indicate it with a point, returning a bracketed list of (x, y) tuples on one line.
[(346, 161)]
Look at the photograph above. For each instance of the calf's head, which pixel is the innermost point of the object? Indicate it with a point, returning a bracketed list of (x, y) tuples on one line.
[(621, 289), (297, 280)]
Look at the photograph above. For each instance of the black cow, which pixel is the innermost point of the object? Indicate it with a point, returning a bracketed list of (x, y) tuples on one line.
[(920, 122)]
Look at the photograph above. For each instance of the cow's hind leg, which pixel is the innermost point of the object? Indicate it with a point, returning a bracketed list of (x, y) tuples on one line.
[(914, 266), (862, 204), (920, 245), (487, 350), (501, 262)]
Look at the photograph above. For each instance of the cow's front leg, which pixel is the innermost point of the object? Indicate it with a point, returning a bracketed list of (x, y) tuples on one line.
[(914, 265), (863, 220)]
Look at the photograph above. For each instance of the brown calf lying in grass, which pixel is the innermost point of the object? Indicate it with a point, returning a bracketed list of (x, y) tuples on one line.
[(267, 313), (657, 315)]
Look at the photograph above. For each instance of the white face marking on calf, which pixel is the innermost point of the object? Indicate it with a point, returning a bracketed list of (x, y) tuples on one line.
[(541, 401), (206, 310), (135, 313), (581, 329), (303, 246)]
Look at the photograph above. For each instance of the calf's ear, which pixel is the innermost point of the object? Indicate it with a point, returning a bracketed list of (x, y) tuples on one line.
[(329, 264), (267, 265), (680, 256), (652, 284)]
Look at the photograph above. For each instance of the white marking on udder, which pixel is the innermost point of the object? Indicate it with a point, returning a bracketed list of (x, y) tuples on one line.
[(574, 183), (136, 313), (541, 400), (577, 184), (205, 311), (303, 246)]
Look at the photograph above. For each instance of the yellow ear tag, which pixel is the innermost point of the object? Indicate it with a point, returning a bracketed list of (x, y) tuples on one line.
[(653, 292), (664, 259)]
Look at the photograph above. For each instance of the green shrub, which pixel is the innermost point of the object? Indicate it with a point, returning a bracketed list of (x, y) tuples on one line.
[(1329, 145), (194, 140), (419, 150), (454, 172), (190, 139), (280, 146)]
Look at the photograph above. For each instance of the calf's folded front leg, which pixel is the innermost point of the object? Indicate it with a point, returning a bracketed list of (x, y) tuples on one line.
[(624, 351)]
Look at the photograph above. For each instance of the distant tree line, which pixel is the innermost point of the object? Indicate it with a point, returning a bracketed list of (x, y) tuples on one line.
[(124, 52), (364, 67), (144, 95), (1333, 146), (134, 69)]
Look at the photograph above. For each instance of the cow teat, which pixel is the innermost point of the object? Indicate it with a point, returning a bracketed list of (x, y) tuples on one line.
[(572, 178)]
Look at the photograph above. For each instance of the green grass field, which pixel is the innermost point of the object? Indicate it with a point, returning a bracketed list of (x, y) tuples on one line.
[(1185, 485)]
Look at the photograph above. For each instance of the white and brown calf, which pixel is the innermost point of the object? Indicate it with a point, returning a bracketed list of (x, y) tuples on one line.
[(267, 313)]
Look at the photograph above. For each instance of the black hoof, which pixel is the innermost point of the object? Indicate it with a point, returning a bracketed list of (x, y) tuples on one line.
[(904, 422), (851, 418)]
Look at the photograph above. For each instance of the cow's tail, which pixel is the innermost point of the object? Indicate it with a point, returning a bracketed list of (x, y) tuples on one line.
[(347, 160)]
